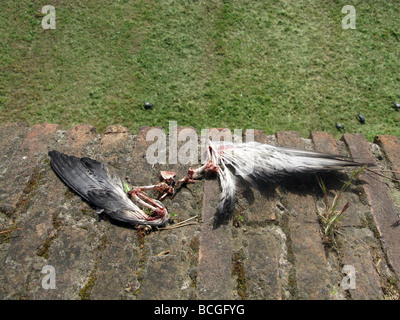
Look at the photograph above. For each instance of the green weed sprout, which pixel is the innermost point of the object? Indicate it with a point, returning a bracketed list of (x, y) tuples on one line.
[(331, 215)]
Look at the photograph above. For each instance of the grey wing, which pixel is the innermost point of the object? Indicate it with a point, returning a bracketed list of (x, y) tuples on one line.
[(93, 182)]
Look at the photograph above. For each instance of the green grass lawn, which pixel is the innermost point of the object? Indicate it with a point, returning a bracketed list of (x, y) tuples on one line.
[(271, 65)]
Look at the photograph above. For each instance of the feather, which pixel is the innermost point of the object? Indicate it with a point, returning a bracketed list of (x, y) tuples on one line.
[(228, 189), (94, 183)]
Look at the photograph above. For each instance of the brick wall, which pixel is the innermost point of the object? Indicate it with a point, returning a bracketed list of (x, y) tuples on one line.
[(270, 248)]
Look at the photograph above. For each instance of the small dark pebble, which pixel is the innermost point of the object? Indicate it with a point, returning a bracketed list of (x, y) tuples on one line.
[(148, 105), (339, 126), (361, 118)]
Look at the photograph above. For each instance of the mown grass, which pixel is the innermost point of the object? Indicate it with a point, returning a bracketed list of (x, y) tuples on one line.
[(271, 65)]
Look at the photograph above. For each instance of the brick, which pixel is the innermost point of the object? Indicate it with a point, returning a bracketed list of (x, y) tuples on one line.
[(172, 276), (120, 253), (72, 254), (289, 139), (309, 255), (262, 265), (116, 273), (308, 252), (324, 142), (38, 139), (259, 136), (99, 259), (354, 249), (72, 238), (383, 209), (355, 252), (215, 251), (141, 171), (181, 260), (32, 149), (114, 138), (77, 138), (47, 238), (391, 147), (260, 206), (11, 137), (354, 215), (259, 257)]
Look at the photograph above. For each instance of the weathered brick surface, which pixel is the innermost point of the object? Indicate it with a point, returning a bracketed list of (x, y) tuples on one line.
[(357, 252), (31, 150), (261, 242), (391, 147), (308, 251), (324, 142), (355, 214), (119, 246), (52, 231), (355, 236), (11, 137), (265, 272), (215, 251), (77, 138), (385, 213), (269, 248), (114, 139), (309, 255), (289, 139), (172, 275)]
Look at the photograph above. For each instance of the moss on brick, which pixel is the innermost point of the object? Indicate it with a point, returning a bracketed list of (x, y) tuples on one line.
[(31, 186), (43, 250), (239, 271), (84, 293)]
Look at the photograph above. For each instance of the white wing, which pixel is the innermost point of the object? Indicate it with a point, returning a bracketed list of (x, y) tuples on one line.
[(255, 161)]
